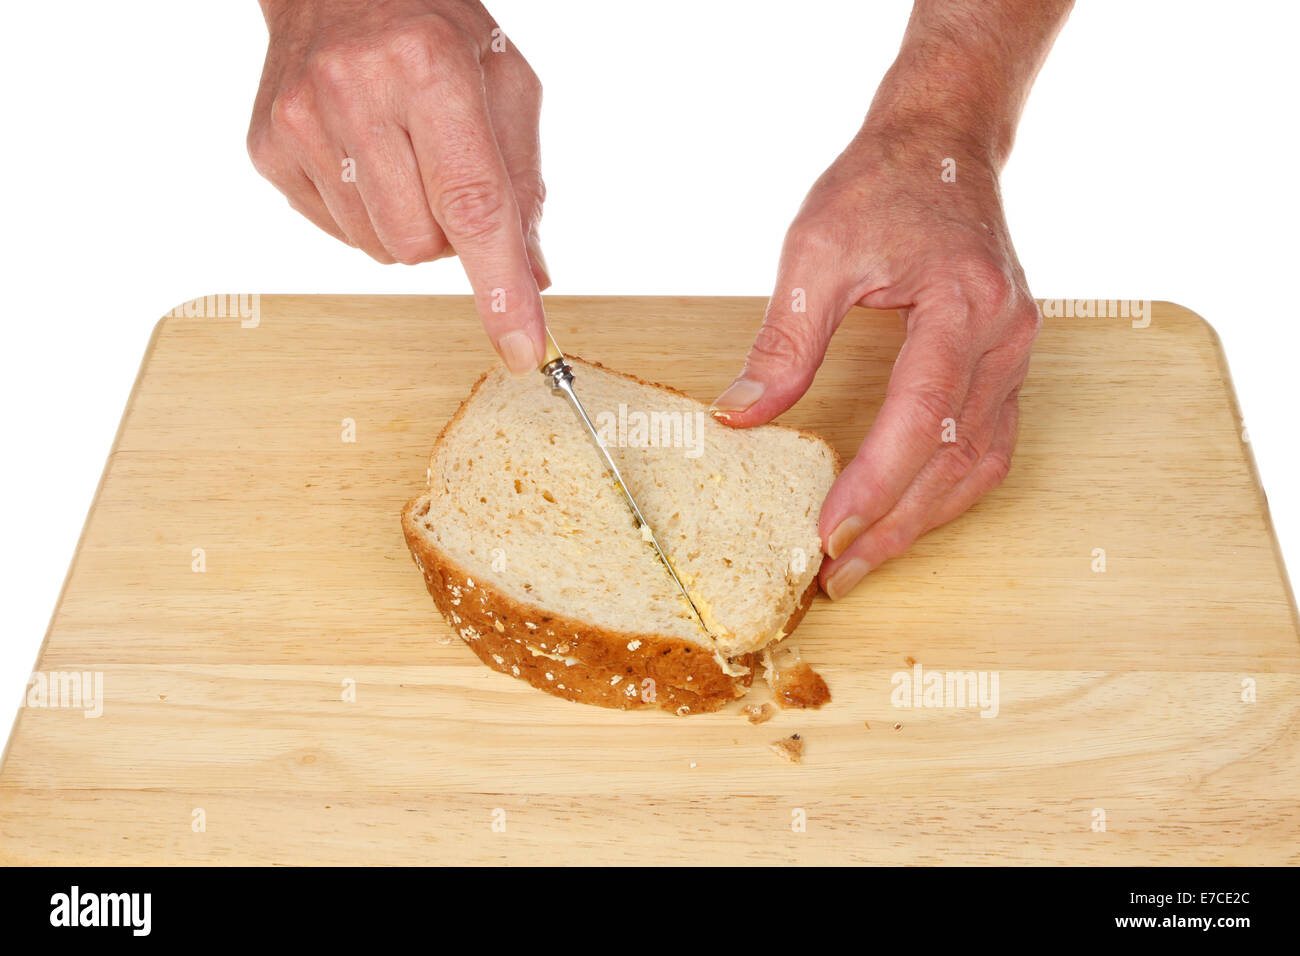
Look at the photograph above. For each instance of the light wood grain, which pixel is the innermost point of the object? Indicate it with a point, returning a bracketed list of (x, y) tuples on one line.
[(223, 690)]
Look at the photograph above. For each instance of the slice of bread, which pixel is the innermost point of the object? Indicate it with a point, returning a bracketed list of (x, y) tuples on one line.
[(534, 558)]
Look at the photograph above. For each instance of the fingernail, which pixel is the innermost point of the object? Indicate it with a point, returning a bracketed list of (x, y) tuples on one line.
[(519, 352), (846, 578), (742, 393), (845, 533)]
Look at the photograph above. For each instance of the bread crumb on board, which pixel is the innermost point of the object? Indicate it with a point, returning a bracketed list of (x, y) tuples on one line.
[(793, 683), (758, 713), (789, 748)]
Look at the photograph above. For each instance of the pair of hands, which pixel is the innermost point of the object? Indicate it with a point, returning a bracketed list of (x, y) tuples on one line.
[(438, 116)]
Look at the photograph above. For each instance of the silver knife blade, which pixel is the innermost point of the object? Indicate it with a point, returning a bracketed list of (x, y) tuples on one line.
[(560, 374)]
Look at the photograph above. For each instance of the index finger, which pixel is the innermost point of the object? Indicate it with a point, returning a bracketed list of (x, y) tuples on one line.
[(470, 195)]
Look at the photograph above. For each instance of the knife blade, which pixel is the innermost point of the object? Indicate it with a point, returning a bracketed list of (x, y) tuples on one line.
[(560, 374)]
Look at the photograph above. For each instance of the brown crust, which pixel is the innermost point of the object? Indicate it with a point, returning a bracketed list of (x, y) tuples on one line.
[(514, 638), (800, 686)]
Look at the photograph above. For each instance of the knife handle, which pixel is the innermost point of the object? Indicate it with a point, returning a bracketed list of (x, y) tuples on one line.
[(553, 352)]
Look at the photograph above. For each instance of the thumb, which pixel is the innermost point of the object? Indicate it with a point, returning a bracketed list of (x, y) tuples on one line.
[(537, 261), (797, 327)]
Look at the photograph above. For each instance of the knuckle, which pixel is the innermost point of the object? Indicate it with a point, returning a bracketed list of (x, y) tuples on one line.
[(1023, 328), (419, 50), (786, 343), (932, 402), (377, 252), (413, 52), (960, 457), (292, 112), (870, 489), (988, 286), (415, 249), (333, 68), (527, 86), (891, 542), (809, 240), (471, 209), (260, 150), (999, 466), (530, 188)]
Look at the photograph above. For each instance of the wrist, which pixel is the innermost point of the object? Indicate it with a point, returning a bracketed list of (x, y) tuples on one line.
[(944, 106), (965, 69), (902, 143)]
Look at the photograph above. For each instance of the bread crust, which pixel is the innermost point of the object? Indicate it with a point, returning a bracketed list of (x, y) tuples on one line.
[(574, 659)]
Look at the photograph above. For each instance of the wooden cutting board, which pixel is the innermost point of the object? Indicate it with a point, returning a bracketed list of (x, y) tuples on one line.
[(298, 701)]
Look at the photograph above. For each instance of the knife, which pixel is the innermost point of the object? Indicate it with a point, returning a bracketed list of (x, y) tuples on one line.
[(560, 373)]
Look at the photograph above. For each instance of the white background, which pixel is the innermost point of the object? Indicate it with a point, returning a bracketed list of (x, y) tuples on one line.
[(1155, 160)]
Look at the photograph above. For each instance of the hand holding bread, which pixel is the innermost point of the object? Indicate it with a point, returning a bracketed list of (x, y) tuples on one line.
[(910, 217)]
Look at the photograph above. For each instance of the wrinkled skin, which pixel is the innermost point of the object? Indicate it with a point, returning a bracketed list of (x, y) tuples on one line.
[(910, 217), (882, 229), (438, 113)]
